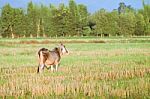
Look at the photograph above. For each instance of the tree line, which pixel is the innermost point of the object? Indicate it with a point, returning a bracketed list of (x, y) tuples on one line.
[(73, 20)]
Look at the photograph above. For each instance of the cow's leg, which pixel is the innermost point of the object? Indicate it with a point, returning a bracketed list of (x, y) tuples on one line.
[(42, 60), (56, 67), (38, 70), (52, 68), (41, 67)]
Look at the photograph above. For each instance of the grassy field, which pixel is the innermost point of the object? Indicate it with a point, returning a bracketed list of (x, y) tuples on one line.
[(95, 68)]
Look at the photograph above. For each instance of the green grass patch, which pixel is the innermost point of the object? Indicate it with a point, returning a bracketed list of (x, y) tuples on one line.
[(118, 68)]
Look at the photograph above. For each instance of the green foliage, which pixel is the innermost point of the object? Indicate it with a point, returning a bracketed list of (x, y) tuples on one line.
[(32, 19), (106, 23), (83, 19), (73, 20), (7, 20), (74, 17), (86, 31), (100, 20), (140, 25), (126, 24)]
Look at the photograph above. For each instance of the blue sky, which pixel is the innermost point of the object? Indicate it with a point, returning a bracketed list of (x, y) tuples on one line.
[(92, 5)]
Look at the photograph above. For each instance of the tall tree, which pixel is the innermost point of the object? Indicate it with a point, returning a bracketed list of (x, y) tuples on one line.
[(140, 25), (18, 22), (146, 13), (0, 23), (126, 24), (43, 21), (101, 21), (56, 21), (74, 17), (121, 8), (83, 20), (112, 25), (32, 20), (7, 20)]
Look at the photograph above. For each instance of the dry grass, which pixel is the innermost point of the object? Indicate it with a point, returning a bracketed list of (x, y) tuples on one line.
[(91, 70), (22, 81)]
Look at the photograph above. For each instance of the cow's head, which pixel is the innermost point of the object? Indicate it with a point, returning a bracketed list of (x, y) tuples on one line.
[(63, 49)]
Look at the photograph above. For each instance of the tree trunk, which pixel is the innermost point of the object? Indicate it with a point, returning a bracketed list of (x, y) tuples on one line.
[(31, 36), (43, 31), (24, 36), (44, 35), (38, 29), (12, 34)]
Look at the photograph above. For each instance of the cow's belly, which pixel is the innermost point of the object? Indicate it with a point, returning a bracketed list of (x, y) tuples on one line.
[(53, 59), (54, 62), (49, 62)]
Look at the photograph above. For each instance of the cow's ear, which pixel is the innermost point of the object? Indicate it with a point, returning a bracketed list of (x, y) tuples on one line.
[(61, 43), (55, 48)]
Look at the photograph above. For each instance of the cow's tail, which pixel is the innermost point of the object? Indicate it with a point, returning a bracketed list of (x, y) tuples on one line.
[(38, 70), (39, 54)]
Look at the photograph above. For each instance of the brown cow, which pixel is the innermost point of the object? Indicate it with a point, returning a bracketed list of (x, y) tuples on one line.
[(50, 57)]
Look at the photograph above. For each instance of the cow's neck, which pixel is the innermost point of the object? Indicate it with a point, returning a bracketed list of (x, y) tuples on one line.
[(59, 52)]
